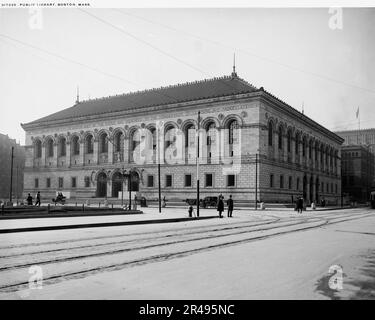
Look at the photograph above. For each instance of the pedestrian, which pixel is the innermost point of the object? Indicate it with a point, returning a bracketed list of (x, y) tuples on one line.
[(230, 206), (29, 200), (300, 205), (164, 202), (220, 206), (190, 210), (37, 202), (135, 203)]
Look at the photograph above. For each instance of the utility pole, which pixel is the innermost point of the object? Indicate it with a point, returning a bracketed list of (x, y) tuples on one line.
[(17, 185), (256, 181), (199, 116), (159, 183), (11, 176)]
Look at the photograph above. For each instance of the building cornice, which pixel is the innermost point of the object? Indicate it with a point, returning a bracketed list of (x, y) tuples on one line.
[(284, 107)]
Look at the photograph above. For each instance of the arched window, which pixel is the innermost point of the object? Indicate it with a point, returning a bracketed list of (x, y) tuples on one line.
[(62, 147), (289, 141), (103, 143), (38, 149), (233, 125), (49, 147), (170, 135), (89, 144), (118, 141), (270, 133), (151, 136), (280, 137), (297, 143), (75, 145), (209, 128), (189, 135), (304, 147)]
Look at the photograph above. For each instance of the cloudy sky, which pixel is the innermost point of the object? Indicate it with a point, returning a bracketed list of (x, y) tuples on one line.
[(293, 53)]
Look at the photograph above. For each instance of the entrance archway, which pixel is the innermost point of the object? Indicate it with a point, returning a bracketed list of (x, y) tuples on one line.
[(116, 184), (311, 199), (134, 182), (304, 187), (101, 186)]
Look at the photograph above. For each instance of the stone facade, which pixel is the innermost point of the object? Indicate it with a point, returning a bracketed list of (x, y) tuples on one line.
[(95, 149), (6, 145)]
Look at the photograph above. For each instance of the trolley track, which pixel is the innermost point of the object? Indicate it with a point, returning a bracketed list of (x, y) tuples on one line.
[(228, 232)]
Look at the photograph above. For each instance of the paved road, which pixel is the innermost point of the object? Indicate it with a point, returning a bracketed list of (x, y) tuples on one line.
[(86, 256)]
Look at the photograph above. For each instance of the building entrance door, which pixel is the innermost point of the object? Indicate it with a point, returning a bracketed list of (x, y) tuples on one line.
[(101, 186), (116, 184)]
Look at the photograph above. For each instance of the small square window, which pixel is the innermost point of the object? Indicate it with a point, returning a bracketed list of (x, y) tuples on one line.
[(231, 180), (281, 182), (74, 182), (36, 183), (208, 180), (48, 183), (271, 181), (87, 182), (150, 181), (168, 181), (61, 182), (187, 180)]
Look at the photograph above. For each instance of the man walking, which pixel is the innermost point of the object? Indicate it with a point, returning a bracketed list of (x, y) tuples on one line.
[(37, 202), (300, 205), (230, 206)]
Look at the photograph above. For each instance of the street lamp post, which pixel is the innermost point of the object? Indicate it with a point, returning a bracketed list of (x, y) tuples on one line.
[(11, 176)]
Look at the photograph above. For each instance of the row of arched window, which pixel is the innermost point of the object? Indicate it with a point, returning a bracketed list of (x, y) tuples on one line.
[(134, 140), (323, 153)]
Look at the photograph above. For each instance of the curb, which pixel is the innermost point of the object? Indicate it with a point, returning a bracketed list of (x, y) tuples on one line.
[(65, 214), (101, 224)]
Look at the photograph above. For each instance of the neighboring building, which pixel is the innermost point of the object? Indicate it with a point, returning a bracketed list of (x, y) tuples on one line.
[(358, 165), (365, 137), (6, 145), (82, 150)]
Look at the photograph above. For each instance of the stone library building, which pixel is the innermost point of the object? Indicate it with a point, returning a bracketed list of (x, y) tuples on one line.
[(249, 140)]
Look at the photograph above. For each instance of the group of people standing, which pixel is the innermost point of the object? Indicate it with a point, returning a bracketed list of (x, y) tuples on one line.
[(29, 199), (220, 206)]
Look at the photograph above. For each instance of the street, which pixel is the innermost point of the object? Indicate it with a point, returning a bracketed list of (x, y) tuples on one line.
[(272, 254)]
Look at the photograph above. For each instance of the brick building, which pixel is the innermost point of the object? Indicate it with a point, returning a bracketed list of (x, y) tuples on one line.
[(358, 166), (364, 137), (82, 150), (6, 145)]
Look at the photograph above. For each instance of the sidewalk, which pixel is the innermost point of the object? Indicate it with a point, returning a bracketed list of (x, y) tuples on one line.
[(151, 215)]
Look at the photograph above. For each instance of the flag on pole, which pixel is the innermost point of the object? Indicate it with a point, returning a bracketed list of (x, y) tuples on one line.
[(357, 113)]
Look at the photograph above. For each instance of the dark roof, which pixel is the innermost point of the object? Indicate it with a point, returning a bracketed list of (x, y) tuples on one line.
[(209, 88)]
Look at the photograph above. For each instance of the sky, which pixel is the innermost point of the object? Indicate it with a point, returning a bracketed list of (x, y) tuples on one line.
[(292, 53)]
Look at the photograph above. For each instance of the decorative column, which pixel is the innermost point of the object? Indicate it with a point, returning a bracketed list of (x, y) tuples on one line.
[(308, 190), (110, 150), (96, 151), (55, 156), (126, 149), (81, 152), (68, 152), (293, 149), (43, 160)]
